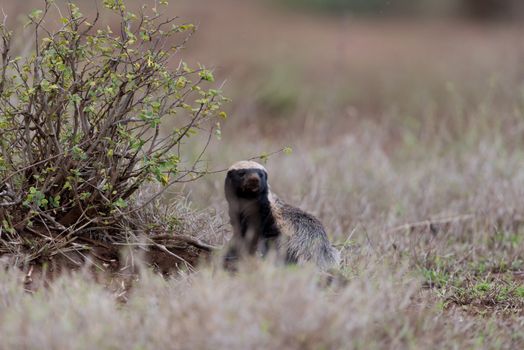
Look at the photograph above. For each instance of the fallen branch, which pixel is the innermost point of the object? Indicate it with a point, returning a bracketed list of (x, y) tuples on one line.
[(189, 240), (431, 224)]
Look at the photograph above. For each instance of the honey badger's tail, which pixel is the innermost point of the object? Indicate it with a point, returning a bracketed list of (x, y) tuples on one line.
[(330, 258)]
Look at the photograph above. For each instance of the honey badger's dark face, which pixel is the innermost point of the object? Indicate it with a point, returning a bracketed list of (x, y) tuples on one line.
[(247, 180)]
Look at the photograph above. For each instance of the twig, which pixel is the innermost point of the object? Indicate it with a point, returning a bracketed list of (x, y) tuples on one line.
[(164, 249)]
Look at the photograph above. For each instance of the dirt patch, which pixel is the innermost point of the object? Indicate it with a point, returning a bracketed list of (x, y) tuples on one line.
[(113, 265)]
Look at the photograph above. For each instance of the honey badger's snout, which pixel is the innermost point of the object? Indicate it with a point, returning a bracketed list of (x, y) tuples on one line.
[(252, 182)]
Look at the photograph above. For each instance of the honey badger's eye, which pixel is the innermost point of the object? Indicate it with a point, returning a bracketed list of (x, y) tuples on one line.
[(241, 172)]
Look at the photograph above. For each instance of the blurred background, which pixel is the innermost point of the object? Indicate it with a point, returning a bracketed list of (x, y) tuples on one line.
[(396, 110)]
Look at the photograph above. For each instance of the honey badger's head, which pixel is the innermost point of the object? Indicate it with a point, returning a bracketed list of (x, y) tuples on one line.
[(246, 179)]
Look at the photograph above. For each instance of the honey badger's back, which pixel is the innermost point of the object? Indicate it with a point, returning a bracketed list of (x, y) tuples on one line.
[(295, 234)]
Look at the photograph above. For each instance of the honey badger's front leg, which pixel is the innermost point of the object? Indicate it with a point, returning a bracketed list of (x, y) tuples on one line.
[(246, 229)]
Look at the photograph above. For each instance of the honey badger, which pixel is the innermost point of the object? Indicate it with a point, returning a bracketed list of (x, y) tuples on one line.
[(262, 222)]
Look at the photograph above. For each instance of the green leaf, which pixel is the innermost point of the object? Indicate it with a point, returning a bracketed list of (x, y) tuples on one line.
[(264, 157), (120, 203), (55, 201), (36, 14), (75, 11), (181, 82), (8, 227), (206, 75), (84, 195)]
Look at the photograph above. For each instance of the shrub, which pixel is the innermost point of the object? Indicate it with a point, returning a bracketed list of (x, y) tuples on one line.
[(81, 120)]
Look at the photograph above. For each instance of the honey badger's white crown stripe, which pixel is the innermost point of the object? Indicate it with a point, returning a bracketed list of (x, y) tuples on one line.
[(246, 164)]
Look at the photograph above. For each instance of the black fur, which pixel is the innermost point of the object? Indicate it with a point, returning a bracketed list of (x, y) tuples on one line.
[(236, 179), (255, 212)]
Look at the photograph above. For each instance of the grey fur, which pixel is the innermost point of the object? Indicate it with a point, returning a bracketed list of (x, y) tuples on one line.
[(294, 235), (308, 240)]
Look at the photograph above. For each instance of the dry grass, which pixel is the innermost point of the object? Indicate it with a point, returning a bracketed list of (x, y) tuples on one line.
[(408, 145), (262, 307)]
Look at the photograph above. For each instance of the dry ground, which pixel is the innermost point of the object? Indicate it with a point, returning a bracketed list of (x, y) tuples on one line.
[(408, 141)]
